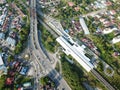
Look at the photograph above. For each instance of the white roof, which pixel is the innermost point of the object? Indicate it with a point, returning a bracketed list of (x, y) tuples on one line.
[(11, 41), (76, 52), (2, 35), (116, 39), (1, 60), (2, 1), (84, 26)]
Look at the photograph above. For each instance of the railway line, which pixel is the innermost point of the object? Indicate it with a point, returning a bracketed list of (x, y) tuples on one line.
[(101, 79)]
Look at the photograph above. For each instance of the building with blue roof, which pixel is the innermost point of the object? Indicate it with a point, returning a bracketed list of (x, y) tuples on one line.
[(24, 70), (67, 31)]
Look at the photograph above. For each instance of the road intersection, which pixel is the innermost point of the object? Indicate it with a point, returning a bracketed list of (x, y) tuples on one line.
[(41, 59)]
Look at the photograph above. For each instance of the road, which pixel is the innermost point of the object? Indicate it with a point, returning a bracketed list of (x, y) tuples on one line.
[(48, 28), (96, 74), (41, 59), (31, 45)]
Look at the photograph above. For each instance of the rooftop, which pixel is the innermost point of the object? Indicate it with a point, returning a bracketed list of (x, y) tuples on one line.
[(1, 60), (11, 41)]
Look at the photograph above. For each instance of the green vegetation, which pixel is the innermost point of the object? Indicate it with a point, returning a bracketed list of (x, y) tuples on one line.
[(9, 1), (106, 54), (22, 8), (66, 13), (10, 58), (0, 49), (105, 48), (45, 81), (2, 81), (108, 70), (114, 80), (49, 42), (75, 76), (25, 28), (23, 38), (57, 67), (103, 43), (109, 36), (22, 79), (72, 75)]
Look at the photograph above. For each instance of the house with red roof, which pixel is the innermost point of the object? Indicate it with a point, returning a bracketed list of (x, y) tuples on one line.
[(71, 4), (9, 81)]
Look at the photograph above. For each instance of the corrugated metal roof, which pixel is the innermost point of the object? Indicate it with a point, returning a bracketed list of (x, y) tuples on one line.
[(77, 53)]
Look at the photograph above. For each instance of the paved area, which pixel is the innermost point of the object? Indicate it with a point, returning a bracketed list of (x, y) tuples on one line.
[(40, 56)]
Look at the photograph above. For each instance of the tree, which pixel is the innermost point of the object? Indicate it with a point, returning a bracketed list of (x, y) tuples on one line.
[(10, 58)]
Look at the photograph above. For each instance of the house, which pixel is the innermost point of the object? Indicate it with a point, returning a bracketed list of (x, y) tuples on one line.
[(2, 36), (77, 8), (108, 3), (11, 42), (9, 81), (21, 88), (2, 1), (18, 10), (11, 73), (3, 69), (109, 29), (2, 18), (112, 12), (116, 39), (16, 64), (27, 84), (5, 25), (12, 34), (24, 70), (47, 3), (116, 53), (70, 4)]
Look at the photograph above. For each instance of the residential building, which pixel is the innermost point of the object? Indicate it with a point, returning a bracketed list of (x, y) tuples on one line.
[(116, 39), (46, 3), (11, 41), (18, 10), (109, 29), (71, 4), (9, 81), (27, 84), (2, 37), (3, 69), (2, 1)]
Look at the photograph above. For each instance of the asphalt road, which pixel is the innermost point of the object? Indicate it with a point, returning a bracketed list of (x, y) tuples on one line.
[(96, 74), (41, 58)]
